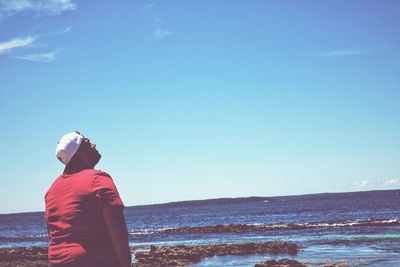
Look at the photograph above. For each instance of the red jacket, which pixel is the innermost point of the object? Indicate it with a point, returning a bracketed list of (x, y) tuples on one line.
[(74, 220)]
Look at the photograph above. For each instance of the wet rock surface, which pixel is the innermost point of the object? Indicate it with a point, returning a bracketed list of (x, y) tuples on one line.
[(280, 263), (29, 253), (336, 264), (157, 256), (185, 255), (19, 257)]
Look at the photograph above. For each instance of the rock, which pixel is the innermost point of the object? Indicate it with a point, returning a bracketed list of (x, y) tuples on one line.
[(183, 255), (29, 253), (24, 257), (232, 228), (280, 263), (167, 256), (337, 264)]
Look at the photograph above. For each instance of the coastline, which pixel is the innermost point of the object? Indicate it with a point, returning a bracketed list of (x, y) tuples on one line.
[(358, 230), (179, 255)]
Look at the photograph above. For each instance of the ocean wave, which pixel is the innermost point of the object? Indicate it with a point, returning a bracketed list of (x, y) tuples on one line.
[(231, 228), (29, 238), (241, 228), (149, 231), (142, 231)]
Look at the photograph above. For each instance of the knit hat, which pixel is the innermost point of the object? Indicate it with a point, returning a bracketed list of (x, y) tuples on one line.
[(67, 146)]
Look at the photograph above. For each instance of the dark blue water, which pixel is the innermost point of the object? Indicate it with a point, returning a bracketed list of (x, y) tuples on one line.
[(362, 229)]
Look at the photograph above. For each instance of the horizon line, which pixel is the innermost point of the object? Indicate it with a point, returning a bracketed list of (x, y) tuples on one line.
[(228, 198)]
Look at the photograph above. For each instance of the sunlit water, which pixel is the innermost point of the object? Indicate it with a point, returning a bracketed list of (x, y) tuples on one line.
[(361, 229)]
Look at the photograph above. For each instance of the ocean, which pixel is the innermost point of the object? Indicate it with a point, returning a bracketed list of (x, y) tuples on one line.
[(359, 228)]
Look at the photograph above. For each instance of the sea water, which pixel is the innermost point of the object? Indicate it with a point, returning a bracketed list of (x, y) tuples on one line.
[(361, 228)]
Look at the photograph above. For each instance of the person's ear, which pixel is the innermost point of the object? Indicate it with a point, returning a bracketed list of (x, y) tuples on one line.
[(81, 156)]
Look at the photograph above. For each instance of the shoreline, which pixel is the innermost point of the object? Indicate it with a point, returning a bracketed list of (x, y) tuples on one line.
[(178, 255)]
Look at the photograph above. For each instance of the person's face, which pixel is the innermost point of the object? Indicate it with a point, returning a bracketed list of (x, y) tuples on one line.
[(89, 152)]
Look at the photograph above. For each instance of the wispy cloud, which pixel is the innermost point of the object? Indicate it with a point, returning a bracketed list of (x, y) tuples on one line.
[(148, 6), (8, 46), (49, 7), (18, 48), (161, 34), (362, 184), (15, 6), (26, 47), (376, 184), (392, 181), (59, 32), (41, 57), (64, 31), (343, 53)]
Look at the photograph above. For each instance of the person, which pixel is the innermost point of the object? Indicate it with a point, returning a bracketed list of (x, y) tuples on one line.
[(84, 212)]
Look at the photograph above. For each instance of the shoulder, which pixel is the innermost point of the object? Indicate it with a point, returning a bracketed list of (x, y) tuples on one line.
[(101, 179), (97, 173), (101, 173), (52, 186), (105, 190)]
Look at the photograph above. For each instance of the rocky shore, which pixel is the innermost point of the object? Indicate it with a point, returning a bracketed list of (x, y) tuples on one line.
[(168, 256), (280, 263), (21, 257), (185, 255), (243, 228)]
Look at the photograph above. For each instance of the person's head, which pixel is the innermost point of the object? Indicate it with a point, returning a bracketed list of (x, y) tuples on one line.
[(76, 149)]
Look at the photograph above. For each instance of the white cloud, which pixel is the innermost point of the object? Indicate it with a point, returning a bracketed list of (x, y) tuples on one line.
[(343, 53), (17, 48), (16, 43), (391, 181), (49, 7), (33, 8), (160, 31), (59, 32), (148, 6), (55, 7), (362, 184), (15, 6), (376, 184), (66, 30), (41, 57), (161, 34)]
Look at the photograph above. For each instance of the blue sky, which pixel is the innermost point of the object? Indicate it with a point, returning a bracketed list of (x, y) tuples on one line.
[(201, 99)]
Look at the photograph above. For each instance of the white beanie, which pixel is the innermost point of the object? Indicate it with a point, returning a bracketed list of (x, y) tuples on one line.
[(67, 146)]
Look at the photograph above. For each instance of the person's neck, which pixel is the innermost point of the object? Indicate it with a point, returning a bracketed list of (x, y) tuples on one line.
[(74, 168)]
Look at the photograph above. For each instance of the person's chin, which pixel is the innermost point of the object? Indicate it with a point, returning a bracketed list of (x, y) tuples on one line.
[(96, 158)]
